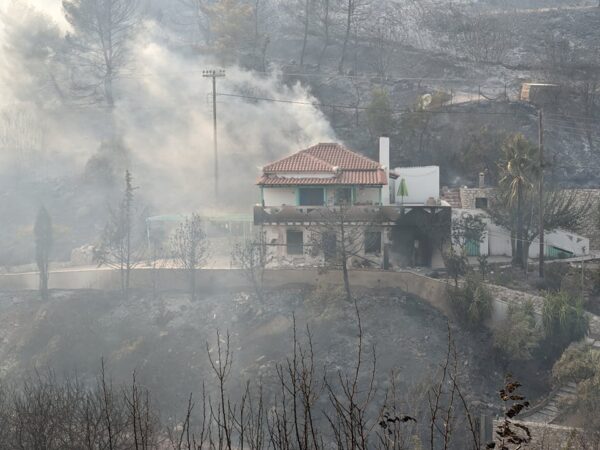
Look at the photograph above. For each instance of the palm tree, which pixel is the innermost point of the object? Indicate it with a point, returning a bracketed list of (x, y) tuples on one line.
[(519, 171)]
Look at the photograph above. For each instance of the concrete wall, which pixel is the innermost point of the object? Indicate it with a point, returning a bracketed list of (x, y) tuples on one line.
[(279, 196)]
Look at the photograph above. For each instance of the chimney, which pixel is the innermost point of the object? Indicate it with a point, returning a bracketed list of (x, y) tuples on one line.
[(384, 160), (481, 179)]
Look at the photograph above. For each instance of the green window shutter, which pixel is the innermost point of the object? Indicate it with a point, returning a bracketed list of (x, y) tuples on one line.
[(472, 247)]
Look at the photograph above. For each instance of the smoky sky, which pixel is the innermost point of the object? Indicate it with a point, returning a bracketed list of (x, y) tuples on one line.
[(163, 115)]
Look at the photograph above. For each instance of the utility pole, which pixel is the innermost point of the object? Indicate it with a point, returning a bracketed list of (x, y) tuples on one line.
[(214, 74), (541, 199)]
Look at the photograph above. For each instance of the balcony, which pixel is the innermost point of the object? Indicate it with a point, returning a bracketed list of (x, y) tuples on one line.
[(316, 214)]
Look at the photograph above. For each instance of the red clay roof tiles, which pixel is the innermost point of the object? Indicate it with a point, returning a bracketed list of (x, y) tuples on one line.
[(347, 167), (322, 158), (369, 177)]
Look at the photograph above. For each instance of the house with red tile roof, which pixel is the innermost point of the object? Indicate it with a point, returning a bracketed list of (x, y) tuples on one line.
[(302, 191), (323, 175)]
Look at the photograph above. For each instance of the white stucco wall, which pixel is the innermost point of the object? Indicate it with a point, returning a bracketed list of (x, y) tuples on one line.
[(500, 245), (287, 196), (279, 196), (497, 240), (421, 182), (275, 237), (564, 240), (369, 195)]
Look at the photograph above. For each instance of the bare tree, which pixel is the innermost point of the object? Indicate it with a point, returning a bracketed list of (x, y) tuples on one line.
[(141, 419), (190, 248), (43, 245), (197, 14), (99, 43), (381, 46), (354, 11), (261, 11), (482, 37), (221, 366), (252, 258), (324, 17), (121, 247), (306, 409), (305, 28), (340, 236), (232, 22)]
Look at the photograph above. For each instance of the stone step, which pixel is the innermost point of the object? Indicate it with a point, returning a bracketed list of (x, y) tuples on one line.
[(540, 418), (553, 409)]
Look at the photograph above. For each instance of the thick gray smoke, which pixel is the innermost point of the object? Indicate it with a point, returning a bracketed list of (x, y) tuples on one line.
[(52, 144), (163, 113), (167, 120)]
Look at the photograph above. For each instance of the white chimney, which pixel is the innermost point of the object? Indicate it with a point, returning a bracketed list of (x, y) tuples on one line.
[(481, 179), (384, 160)]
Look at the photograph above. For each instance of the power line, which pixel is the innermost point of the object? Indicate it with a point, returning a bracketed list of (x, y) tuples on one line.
[(404, 110), (365, 77)]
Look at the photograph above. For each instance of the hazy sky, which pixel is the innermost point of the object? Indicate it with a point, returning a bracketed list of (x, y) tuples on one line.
[(51, 7)]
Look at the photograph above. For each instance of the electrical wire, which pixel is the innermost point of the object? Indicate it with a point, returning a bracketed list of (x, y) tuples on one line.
[(404, 110)]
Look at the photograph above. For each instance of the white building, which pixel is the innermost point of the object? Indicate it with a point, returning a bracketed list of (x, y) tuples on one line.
[(302, 192), (497, 241), (422, 185)]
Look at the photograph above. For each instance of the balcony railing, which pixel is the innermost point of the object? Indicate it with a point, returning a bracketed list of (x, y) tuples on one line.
[(316, 214)]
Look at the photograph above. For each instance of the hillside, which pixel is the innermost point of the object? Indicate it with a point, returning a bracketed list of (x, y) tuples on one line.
[(164, 339)]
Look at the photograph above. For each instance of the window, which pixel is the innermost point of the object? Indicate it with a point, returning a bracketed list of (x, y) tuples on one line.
[(311, 197), (343, 196), (481, 203), (372, 242), (295, 242), (329, 246)]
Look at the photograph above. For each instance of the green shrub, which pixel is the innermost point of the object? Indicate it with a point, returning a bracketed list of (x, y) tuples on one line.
[(519, 335), (588, 402), (580, 364), (577, 363), (471, 303), (457, 265), (564, 321)]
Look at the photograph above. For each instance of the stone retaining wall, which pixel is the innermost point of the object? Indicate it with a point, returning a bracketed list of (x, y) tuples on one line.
[(431, 290)]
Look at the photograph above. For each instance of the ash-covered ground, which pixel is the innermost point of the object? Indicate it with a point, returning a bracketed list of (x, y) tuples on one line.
[(165, 340)]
